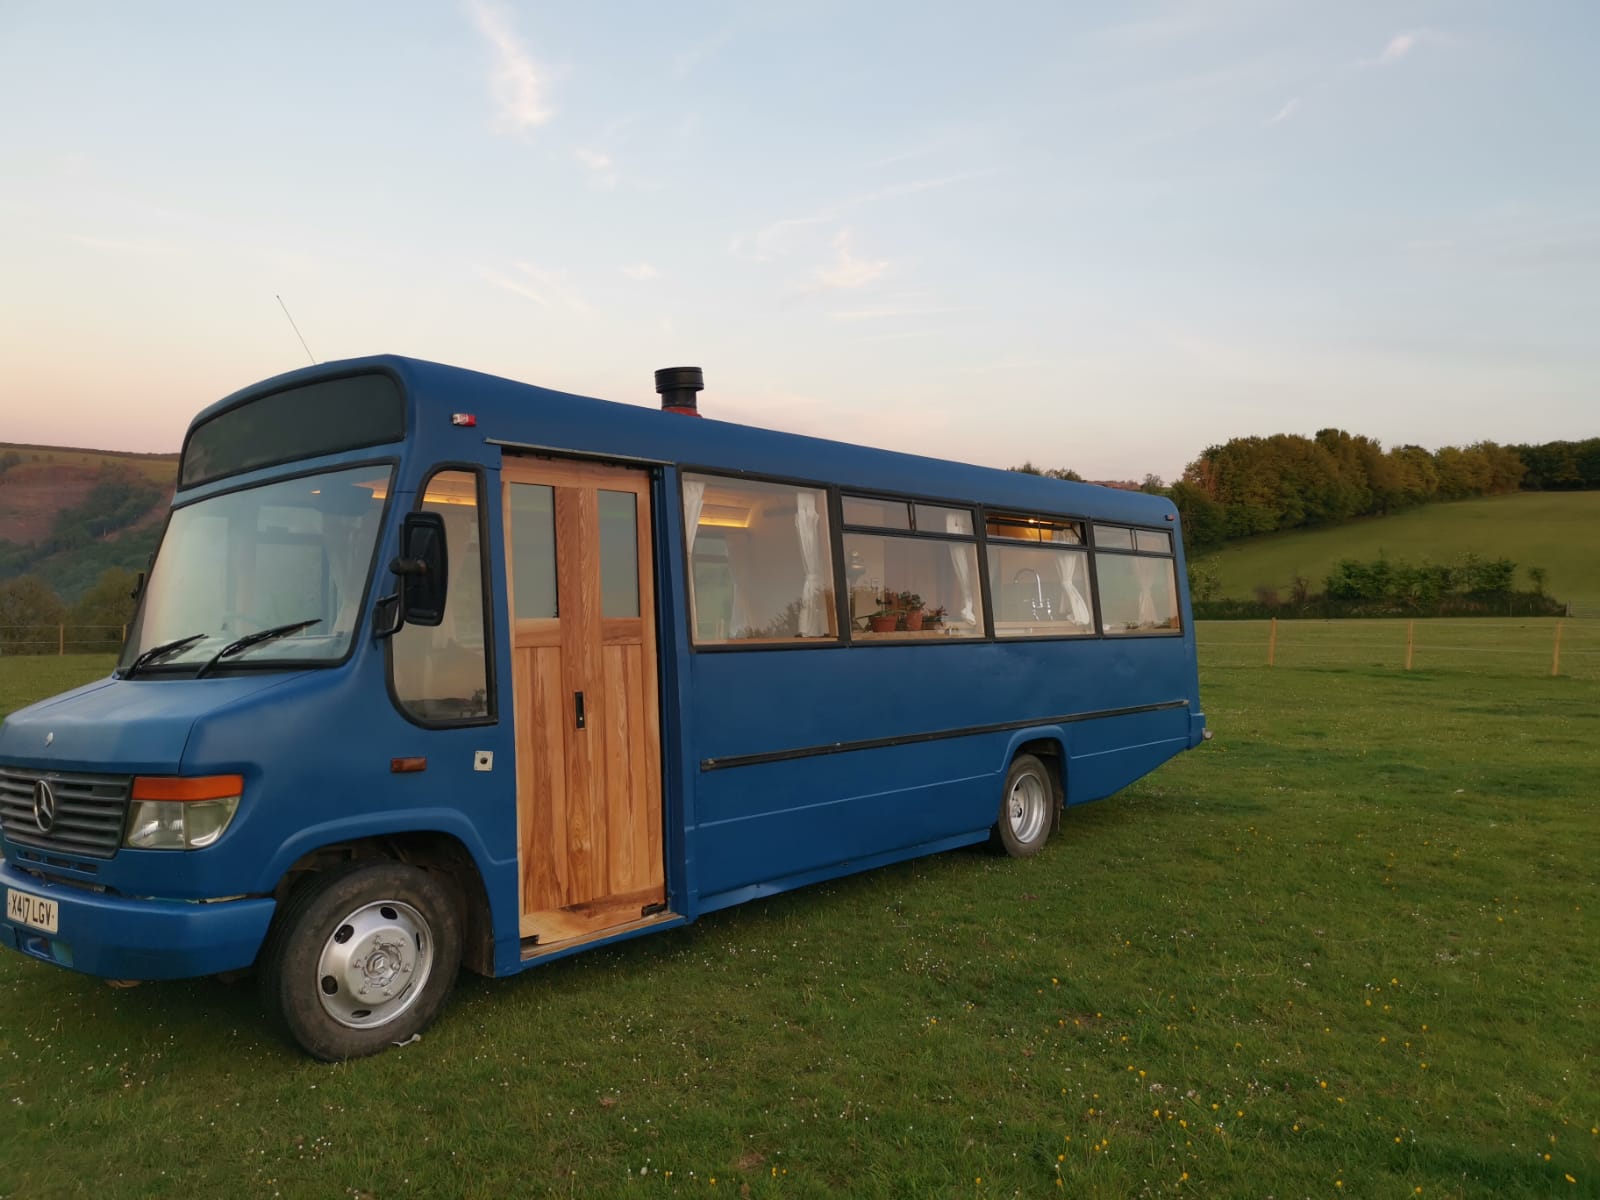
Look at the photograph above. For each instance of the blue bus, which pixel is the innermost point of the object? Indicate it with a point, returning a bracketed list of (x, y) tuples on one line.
[(435, 669)]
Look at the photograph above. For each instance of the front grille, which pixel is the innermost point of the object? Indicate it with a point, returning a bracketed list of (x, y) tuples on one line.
[(90, 811)]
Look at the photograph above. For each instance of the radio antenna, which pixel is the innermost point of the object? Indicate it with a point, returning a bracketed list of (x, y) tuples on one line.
[(296, 329)]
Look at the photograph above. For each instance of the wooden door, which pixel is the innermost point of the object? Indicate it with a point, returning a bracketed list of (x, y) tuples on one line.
[(582, 612)]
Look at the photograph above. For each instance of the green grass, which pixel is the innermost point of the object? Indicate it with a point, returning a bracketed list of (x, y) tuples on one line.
[(1352, 941), (1554, 530), (26, 678)]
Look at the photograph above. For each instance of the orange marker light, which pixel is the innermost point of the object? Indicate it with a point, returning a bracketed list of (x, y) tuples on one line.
[(194, 787)]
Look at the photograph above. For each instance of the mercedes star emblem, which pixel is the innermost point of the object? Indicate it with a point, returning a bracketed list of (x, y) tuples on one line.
[(44, 806)]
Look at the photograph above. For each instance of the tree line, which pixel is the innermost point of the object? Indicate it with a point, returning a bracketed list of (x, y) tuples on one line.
[(1254, 485), (1384, 587), (31, 612)]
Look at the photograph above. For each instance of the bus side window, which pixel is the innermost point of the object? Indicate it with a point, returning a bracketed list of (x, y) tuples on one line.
[(1138, 591), (759, 560), (441, 673)]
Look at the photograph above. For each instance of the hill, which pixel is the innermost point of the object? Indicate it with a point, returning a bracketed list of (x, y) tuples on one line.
[(67, 513), (1553, 530)]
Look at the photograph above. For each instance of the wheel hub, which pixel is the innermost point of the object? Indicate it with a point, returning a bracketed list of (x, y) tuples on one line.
[(374, 964), (1028, 808)]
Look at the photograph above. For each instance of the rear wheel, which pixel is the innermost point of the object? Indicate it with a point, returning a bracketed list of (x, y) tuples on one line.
[(363, 958), (1026, 808)]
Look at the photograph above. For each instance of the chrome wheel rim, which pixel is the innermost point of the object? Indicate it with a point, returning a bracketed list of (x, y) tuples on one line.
[(1027, 809), (374, 965)]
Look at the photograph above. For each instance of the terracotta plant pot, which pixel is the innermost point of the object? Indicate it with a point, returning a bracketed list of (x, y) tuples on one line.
[(882, 624), (914, 620)]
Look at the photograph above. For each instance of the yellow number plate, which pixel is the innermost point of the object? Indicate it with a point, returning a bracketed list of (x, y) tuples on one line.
[(34, 911)]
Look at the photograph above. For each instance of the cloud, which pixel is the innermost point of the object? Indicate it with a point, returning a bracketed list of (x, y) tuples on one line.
[(846, 270), (1287, 111), (547, 289), (888, 313), (691, 60), (1400, 45), (601, 168), (121, 245), (780, 237), (643, 272), (772, 240), (1403, 44), (518, 82)]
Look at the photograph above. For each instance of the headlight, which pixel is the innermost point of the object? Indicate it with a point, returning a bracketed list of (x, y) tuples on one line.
[(181, 813)]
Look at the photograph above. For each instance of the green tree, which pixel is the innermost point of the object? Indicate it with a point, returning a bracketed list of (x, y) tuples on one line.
[(29, 614), (1028, 468), (104, 609)]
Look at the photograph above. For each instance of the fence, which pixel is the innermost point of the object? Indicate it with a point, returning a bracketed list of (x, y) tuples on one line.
[(1534, 646), (61, 639), (1568, 648)]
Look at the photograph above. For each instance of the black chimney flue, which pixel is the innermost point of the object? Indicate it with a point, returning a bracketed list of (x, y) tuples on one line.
[(678, 386)]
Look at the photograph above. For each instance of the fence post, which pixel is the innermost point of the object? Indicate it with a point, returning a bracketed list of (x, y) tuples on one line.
[(1272, 643), (61, 640), (1555, 657), (1411, 641)]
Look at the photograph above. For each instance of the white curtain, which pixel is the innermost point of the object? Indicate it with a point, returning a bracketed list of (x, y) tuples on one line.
[(1072, 601), (960, 522), (813, 621), (1149, 571), (694, 499)]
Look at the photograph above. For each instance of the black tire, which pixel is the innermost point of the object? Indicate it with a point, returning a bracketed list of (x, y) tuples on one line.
[(362, 957), (1027, 808)]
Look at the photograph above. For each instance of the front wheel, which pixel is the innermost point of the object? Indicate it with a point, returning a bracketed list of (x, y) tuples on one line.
[(363, 958), (1026, 804)]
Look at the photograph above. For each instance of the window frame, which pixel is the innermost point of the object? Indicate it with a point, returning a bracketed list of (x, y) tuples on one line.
[(486, 598), (974, 511), (982, 513), (1169, 556), (1083, 547), (830, 496)]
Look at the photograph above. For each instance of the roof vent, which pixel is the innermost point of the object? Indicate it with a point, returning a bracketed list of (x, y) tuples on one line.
[(678, 386)]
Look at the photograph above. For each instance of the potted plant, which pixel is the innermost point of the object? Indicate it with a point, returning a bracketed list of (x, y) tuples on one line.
[(911, 604), (888, 614), (933, 618)]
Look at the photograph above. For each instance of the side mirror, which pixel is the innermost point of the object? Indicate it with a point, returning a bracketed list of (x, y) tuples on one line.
[(422, 569)]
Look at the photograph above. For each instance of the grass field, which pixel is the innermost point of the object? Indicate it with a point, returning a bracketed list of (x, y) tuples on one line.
[(1350, 948), (1554, 530)]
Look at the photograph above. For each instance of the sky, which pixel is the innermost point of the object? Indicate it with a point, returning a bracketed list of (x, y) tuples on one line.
[(1093, 235)]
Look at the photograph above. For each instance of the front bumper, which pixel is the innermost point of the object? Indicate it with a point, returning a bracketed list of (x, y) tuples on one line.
[(118, 938)]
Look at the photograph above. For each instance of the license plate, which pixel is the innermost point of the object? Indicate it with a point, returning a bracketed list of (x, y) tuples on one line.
[(35, 911)]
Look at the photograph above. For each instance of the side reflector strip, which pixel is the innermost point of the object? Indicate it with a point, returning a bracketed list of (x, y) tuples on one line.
[(401, 766)]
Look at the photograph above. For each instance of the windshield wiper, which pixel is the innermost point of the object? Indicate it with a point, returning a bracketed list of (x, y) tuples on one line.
[(161, 651), (254, 639)]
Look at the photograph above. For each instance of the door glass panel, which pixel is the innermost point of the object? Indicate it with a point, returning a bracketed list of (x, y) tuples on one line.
[(619, 554), (440, 672), (533, 549)]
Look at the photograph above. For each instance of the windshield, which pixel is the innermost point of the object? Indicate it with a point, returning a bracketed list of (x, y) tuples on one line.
[(293, 553)]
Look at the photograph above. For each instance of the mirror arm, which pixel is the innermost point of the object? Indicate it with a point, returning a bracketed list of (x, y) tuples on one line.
[(386, 616)]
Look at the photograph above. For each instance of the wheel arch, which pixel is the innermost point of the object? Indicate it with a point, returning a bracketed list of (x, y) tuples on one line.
[(434, 851), (1049, 747)]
